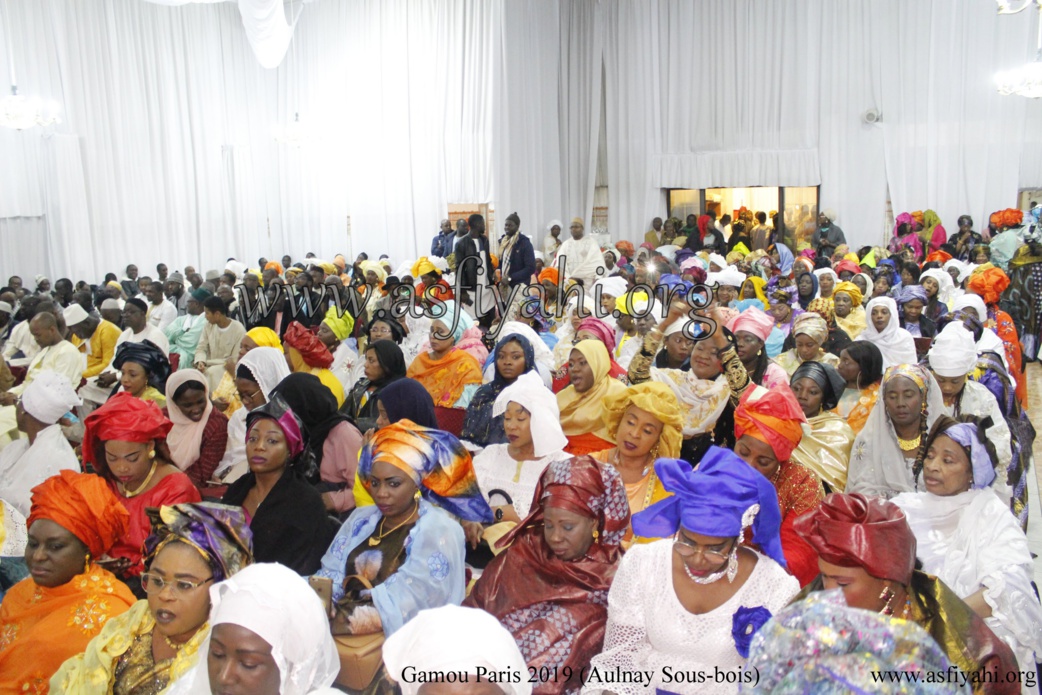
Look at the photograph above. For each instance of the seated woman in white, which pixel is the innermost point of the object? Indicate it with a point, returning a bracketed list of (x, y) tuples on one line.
[(966, 536), (692, 601)]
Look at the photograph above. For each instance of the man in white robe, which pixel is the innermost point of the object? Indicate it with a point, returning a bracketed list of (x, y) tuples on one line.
[(583, 256)]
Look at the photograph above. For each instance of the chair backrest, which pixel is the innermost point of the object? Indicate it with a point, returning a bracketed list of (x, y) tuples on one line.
[(175, 360), (450, 419)]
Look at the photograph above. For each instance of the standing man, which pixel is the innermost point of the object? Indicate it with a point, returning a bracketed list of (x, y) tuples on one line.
[(475, 277), (828, 235), (175, 292), (654, 235), (583, 256), (516, 255), (441, 246)]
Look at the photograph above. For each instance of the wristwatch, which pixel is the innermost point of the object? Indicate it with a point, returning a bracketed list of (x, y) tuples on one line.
[(499, 514)]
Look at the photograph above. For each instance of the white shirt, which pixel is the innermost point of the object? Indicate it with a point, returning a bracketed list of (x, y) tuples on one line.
[(496, 470), (63, 358), (163, 315), (21, 340), (23, 467), (583, 258)]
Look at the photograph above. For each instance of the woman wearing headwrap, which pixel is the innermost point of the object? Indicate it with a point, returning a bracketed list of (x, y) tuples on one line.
[(677, 604), (306, 353), (783, 312), (258, 372), (751, 330), (884, 331), (450, 375), (124, 441), (912, 300), (768, 427), (226, 397), (806, 288), (861, 366), (810, 331), (405, 399), (143, 369), (582, 402), (888, 453), (753, 288), (384, 364), (827, 281), (905, 237), (550, 584), (933, 234), (508, 473), (782, 257), (970, 310), (287, 514), (850, 315), (825, 446), (866, 284), (430, 285), (200, 433), (866, 548), (967, 538), (53, 614), (331, 442), (939, 293), (271, 615), (334, 332), (514, 356), (405, 553), (989, 285), (157, 642)]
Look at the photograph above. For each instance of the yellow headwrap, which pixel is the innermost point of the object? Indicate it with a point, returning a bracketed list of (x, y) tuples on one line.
[(265, 337), (422, 267), (639, 302), (656, 399), (366, 266), (852, 257), (340, 325), (758, 284), (850, 288)]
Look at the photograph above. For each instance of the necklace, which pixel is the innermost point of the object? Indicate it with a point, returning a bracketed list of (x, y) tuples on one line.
[(148, 478), (172, 644), (380, 535), (909, 444), (616, 461), (708, 579)]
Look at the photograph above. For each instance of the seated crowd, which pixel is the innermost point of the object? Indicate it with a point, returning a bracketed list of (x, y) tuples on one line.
[(736, 449)]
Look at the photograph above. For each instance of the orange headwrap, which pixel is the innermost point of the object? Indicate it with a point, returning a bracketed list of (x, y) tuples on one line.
[(123, 418), (774, 417), (83, 505), (939, 256), (917, 217), (989, 284), (550, 274), (312, 350), (1004, 219), (274, 265)]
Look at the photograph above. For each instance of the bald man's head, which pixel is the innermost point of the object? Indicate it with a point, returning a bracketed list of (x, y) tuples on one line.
[(44, 328)]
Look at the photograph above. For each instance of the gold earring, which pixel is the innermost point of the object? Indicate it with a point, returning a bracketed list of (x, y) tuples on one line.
[(596, 535), (416, 496), (86, 563), (152, 454)]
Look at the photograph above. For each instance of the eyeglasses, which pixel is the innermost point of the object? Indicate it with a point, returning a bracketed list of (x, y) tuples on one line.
[(153, 584), (685, 548), (248, 396)]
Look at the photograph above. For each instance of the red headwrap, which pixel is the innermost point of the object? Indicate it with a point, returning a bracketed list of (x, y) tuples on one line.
[(311, 349), (83, 505), (123, 418), (601, 330), (849, 266), (774, 417), (989, 284), (856, 531), (703, 227)]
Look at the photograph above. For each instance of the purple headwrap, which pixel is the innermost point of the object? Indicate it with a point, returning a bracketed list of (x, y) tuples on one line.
[(278, 410), (965, 434)]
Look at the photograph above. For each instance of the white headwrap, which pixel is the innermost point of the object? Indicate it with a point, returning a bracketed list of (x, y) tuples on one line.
[(826, 271), (669, 251), (277, 605), (945, 284), (49, 396), (7, 308), (966, 271), (895, 343), (110, 303), (677, 326), (554, 223), (455, 639), (989, 339), (730, 276), (717, 260), (74, 314), (614, 286), (544, 358), (953, 353), (530, 393), (268, 367), (972, 301), (236, 267)]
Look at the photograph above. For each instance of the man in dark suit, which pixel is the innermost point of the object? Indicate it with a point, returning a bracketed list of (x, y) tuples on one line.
[(472, 282)]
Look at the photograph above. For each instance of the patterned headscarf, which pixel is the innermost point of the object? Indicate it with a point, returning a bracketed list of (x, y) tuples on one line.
[(308, 346), (84, 505), (436, 461), (911, 292), (812, 325), (774, 417), (720, 498), (218, 531)]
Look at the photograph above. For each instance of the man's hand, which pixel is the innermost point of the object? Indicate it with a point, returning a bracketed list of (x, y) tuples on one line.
[(107, 379), (201, 366)]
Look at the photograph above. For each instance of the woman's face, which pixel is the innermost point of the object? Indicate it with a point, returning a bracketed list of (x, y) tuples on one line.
[(510, 361), (805, 285), (931, 287), (860, 589), (843, 303), (192, 403), (757, 454), (749, 346), (250, 393), (179, 611), (904, 401), (906, 277), (848, 367), (826, 284), (129, 462), (951, 386), (373, 370), (581, 372), (380, 330), (392, 489), (704, 360), (568, 534), (946, 469), (678, 347), (240, 662), (781, 312), (53, 555), (725, 294), (328, 337), (980, 256), (954, 272), (639, 432), (881, 286), (585, 335), (703, 555), (266, 447), (133, 378), (913, 310), (806, 347), (880, 318), (371, 278), (245, 345), (845, 275), (748, 291), (861, 282), (438, 345), (517, 424), (775, 256), (809, 395)]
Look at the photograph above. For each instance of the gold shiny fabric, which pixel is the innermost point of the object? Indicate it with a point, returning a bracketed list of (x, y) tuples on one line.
[(137, 672), (825, 450)]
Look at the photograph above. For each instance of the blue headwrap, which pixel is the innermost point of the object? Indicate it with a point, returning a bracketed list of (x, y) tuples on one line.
[(805, 301), (910, 292), (965, 435), (714, 500), (785, 259), (465, 322), (744, 304)]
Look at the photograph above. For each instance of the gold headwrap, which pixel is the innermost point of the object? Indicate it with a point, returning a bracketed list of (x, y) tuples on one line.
[(656, 399), (850, 288)]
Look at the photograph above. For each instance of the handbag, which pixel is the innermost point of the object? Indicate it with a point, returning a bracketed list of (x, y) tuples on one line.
[(361, 656)]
